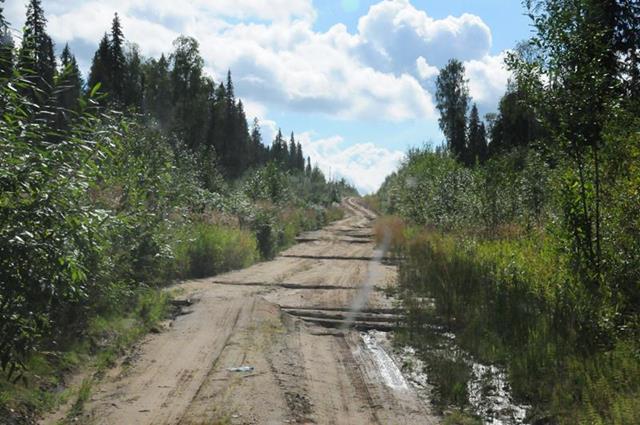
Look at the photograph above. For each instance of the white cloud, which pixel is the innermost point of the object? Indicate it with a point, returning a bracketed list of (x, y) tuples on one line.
[(382, 71), (425, 71), (488, 79), (365, 165), (394, 34)]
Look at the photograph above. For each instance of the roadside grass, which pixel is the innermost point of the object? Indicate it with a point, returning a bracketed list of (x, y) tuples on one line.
[(390, 230), (333, 213), (458, 417), (203, 249), (512, 301), (83, 395), (45, 384)]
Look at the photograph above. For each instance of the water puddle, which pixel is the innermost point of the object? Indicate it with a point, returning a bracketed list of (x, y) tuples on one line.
[(490, 396), (488, 387), (389, 371)]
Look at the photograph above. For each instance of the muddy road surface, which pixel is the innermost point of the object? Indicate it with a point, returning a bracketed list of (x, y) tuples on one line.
[(289, 323)]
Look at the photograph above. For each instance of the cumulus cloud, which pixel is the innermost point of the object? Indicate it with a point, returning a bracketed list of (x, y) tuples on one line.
[(385, 70), (394, 34), (380, 72), (364, 165), (425, 71), (488, 78)]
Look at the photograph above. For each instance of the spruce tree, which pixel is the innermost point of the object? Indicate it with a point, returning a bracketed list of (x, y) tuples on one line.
[(219, 115), (516, 123), (118, 62), (308, 169), (293, 152), (276, 149), (284, 152), (6, 46), (229, 122), (70, 80), (239, 161), (255, 156), (477, 139), (299, 159), (157, 90), (100, 67), (189, 120), (133, 84), (229, 88), (483, 152), (36, 53)]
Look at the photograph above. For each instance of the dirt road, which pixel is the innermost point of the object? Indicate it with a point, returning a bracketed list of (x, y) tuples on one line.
[(285, 319)]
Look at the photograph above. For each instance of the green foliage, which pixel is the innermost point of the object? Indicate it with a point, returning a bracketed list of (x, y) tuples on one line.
[(514, 301), (205, 250), (50, 237), (433, 188), (452, 97), (98, 208), (538, 269)]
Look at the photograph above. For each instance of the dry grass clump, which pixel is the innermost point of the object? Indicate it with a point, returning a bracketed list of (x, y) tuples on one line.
[(390, 230)]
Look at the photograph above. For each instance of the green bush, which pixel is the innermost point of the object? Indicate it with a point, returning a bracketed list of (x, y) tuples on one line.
[(50, 236)]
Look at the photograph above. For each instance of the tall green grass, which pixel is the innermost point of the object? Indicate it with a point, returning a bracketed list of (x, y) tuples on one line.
[(513, 301), (204, 249)]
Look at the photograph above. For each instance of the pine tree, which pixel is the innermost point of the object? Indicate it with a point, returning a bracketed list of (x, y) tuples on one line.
[(118, 62), (100, 67), (452, 96), (308, 169), (36, 53), (6, 46)]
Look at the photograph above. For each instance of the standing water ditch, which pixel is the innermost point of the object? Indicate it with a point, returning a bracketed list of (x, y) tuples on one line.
[(425, 355), (446, 376)]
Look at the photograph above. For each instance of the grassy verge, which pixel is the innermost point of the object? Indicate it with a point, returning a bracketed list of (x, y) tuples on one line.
[(204, 249), (512, 301), (44, 385)]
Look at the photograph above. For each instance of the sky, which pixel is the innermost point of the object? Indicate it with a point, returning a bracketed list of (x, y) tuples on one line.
[(354, 79)]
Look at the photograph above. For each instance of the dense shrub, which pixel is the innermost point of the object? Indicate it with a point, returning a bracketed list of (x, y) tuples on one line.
[(51, 239)]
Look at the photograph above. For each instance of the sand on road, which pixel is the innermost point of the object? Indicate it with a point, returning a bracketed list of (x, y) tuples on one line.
[(282, 318)]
